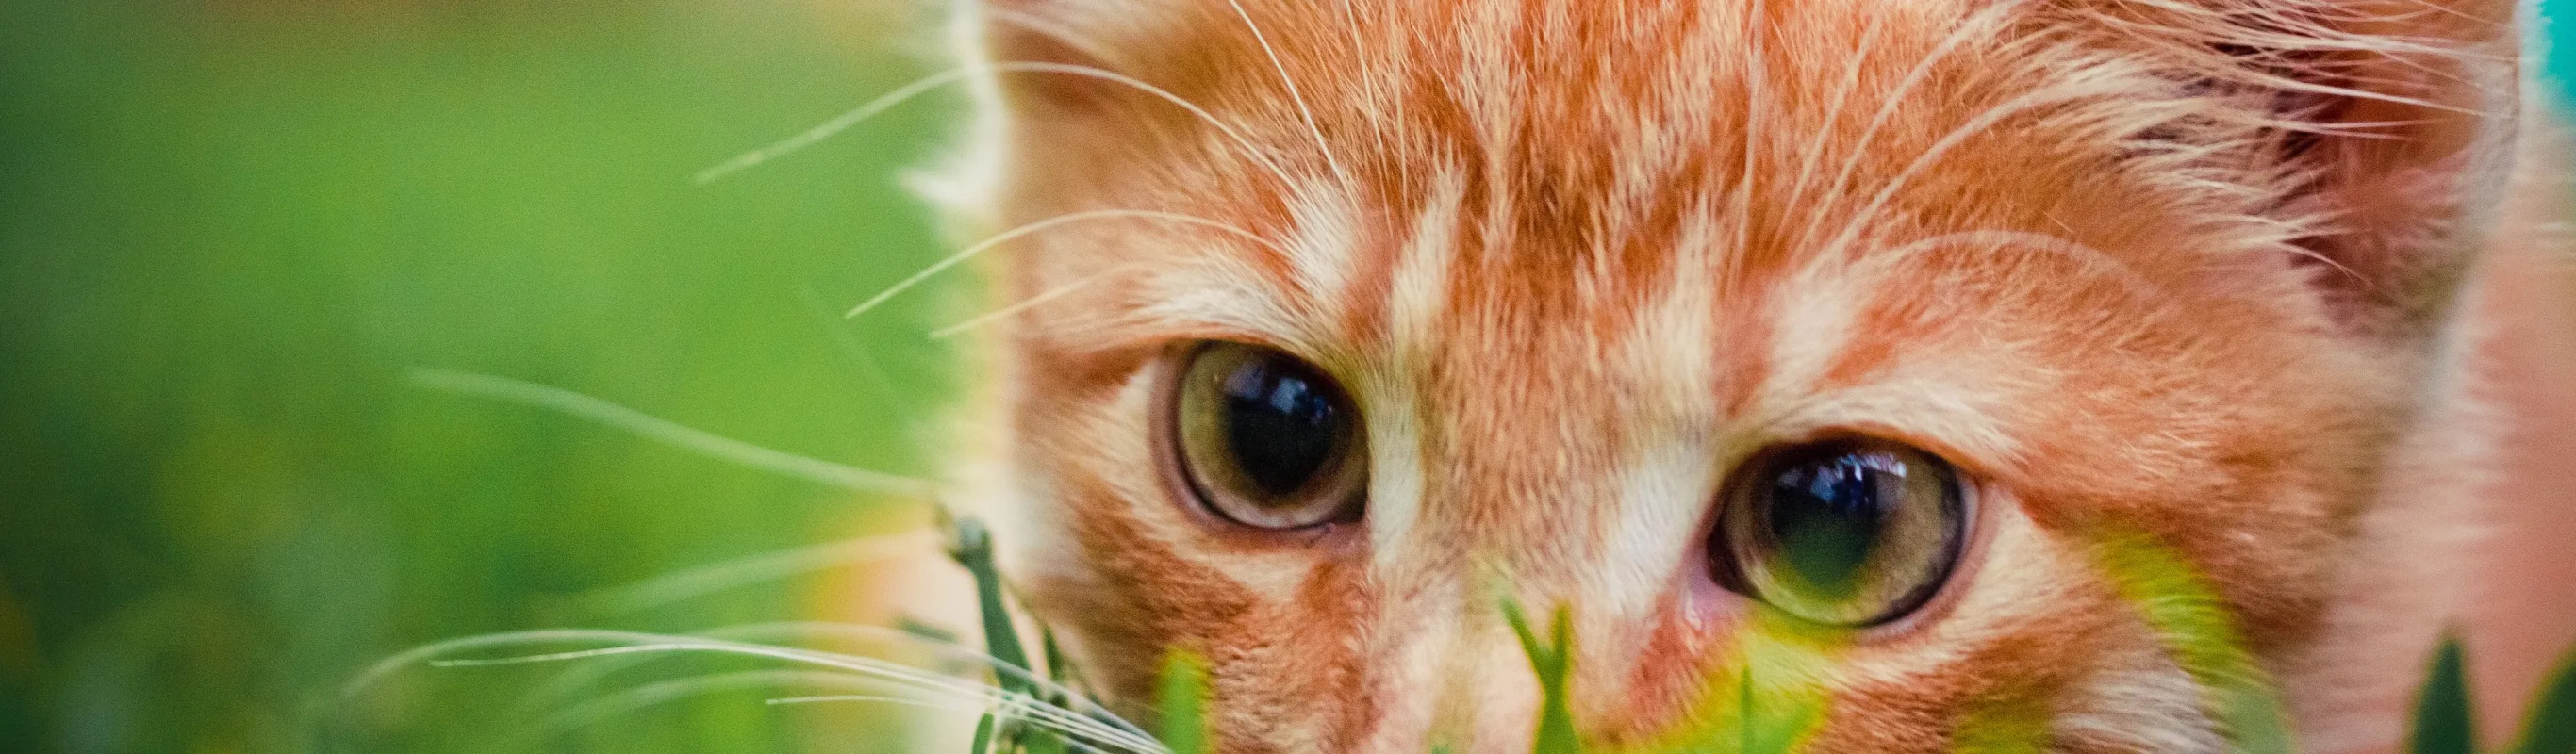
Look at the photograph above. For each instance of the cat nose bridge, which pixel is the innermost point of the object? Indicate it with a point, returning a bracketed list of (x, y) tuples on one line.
[(1532, 502)]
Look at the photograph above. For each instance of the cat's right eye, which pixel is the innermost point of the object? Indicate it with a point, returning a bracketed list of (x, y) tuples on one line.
[(1264, 439)]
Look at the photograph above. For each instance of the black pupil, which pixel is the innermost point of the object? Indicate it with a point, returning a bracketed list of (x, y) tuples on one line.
[(1826, 514), (1281, 423)]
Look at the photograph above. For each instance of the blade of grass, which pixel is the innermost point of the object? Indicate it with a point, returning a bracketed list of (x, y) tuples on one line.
[(2442, 707), (1183, 703), (1058, 668), (2012, 725), (1551, 660), (2551, 726), (1042, 741), (1775, 723), (983, 735), (973, 548), (2193, 623)]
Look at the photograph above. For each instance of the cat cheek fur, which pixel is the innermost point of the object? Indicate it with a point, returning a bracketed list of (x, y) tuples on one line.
[(2183, 267)]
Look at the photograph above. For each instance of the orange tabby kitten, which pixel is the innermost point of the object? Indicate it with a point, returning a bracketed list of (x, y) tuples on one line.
[(1867, 316)]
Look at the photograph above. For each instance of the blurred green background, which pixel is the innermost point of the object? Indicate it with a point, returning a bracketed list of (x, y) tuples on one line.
[(228, 227)]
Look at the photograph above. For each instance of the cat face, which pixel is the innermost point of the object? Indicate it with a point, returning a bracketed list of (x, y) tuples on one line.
[(1868, 320)]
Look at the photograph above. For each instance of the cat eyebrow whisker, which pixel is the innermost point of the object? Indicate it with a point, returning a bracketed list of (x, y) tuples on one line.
[(1040, 226), (1023, 305), (1367, 75), (1753, 95), (1294, 96), (1969, 29), (1858, 222), (1815, 151), (954, 76), (2086, 255), (671, 433)]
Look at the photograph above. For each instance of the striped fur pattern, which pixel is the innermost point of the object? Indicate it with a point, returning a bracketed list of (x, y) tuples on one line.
[(2182, 266)]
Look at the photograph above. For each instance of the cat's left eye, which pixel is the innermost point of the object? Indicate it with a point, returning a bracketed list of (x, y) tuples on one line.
[(1849, 533)]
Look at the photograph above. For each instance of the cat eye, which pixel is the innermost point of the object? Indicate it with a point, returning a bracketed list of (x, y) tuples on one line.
[(1850, 533), (1264, 439)]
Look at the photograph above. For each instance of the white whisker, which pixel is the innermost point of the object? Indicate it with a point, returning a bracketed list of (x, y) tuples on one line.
[(1294, 96), (641, 643), (1971, 28), (717, 577), (953, 76), (1858, 222), (2088, 256), (1013, 234), (946, 650), (828, 128), (1023, 305), (1757, 69), (659, 693), (767, 634), (866, 698), (1815, 150), (671, 433)]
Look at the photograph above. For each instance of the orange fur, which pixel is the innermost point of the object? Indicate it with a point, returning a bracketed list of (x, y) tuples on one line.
[(2182, 266)]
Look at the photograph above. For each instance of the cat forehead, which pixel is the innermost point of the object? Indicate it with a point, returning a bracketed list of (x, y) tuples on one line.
[(1603, 146)]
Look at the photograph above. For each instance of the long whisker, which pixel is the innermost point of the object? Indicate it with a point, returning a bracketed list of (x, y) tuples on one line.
[(664, 692), (642, 643), (671, 433), (840, 123), (1023, 305), (717, 577), (1294, 96), (953, 76), (1013, 234), (1081, 702), (769, 632), (923, 703), (1034, 712)]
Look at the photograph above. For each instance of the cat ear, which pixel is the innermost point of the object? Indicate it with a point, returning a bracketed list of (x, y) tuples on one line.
[(2393, 134)]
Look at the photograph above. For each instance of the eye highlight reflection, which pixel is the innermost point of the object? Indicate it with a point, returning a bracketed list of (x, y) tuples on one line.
[(1849, 533)]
